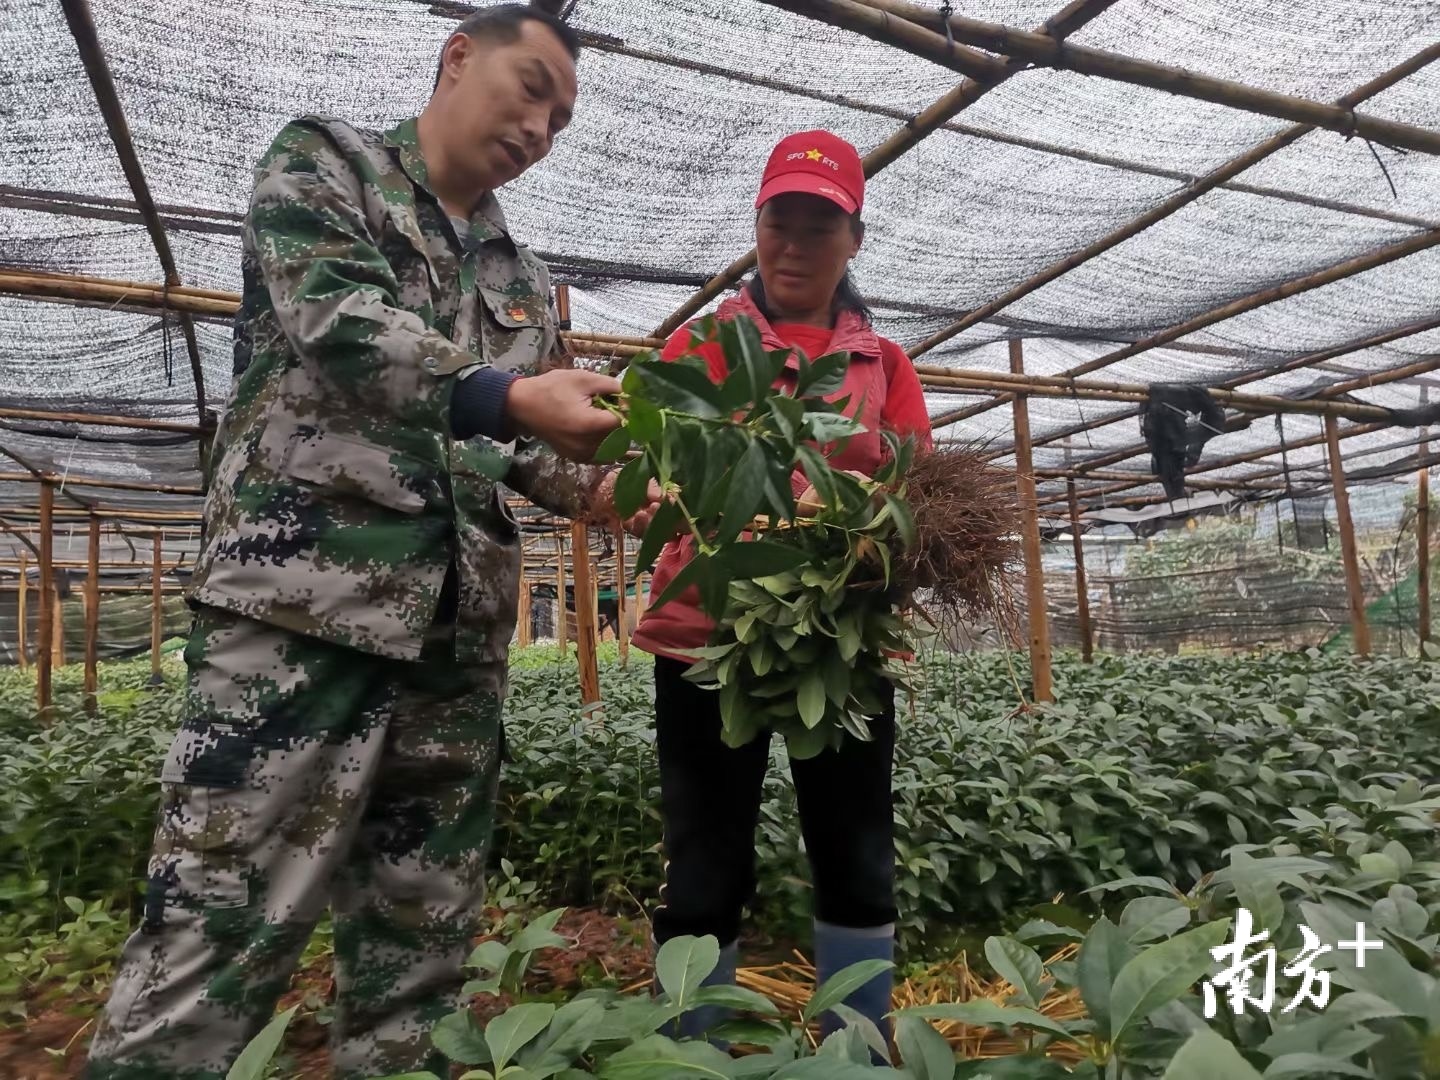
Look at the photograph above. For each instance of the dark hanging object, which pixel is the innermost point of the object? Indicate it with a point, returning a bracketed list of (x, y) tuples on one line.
[(1174, 440)]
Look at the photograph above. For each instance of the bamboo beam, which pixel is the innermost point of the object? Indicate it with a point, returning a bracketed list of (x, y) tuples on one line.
[(1042, 51), (1030, 528), (156, 614), (100, 482), (1182, 198), (140, 422), (43, 659), (57, 639), (82, 28), (1082, 595), (1314, 359), (1353, 590), (1305, 283), (92, 618), (990, 73), (212, 302), (584, 613), (22, 616)]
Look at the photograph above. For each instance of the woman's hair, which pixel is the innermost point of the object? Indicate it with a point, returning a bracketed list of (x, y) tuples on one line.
[(847, 296)]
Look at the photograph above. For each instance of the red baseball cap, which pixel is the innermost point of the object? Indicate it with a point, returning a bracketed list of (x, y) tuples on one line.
[(815, 163)]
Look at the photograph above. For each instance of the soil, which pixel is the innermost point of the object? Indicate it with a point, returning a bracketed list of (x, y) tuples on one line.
[(601, 950)]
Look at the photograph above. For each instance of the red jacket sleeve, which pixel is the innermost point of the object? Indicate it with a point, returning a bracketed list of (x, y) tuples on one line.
[(904, 412)]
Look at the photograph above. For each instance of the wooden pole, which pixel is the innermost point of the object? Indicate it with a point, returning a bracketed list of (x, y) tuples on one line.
[(43, 659), (92, 617), (621, 583), (21, 615), (585, 601), (57, 639), (1030, 526), (1082, 595), (157, 613), (1359, 627), (562, 617), (883, 20), (1422, 536), (523, 616)]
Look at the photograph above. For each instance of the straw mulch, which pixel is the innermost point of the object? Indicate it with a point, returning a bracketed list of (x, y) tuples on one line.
[(789, 985)]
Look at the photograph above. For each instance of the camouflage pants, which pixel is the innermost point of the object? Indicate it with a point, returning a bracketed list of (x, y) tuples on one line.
[(307, 774)]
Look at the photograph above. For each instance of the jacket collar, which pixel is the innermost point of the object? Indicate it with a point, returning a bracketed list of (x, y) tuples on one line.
[(487, 221), (853, 334)]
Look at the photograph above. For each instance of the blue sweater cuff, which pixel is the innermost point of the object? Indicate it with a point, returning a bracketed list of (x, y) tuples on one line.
[(477, 405)]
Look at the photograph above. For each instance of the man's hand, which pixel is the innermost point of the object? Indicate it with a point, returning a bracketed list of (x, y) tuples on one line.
[(558, 408), (638, 522)]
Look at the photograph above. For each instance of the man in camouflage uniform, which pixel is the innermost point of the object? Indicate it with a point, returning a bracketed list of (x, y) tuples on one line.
[(356, 594)]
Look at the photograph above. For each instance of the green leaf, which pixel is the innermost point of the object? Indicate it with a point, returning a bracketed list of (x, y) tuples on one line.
[(459, 1038), (254, 1061), (904, 519), (1161, 974), (573, 1028), (1309, 1066), (823, 375), (659, 1058), (811, 698), (982, 1012), (644, 421), (747, 489), (842, 984), (682, 964), (760, 558), (735, 997), (614, 447), (539, 933), (1102, 955), (515, 1027), (667, 519), (1386, 973), (631, 485), (683, 386), (923, 1049), (1277, 869), (1020, 966), (1149, 917), (1206, 1056)]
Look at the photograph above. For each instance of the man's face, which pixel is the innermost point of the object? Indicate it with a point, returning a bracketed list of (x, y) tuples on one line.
[(507, 103)]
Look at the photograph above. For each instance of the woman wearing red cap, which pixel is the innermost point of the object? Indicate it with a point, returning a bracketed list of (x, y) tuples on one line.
[(807, 229)]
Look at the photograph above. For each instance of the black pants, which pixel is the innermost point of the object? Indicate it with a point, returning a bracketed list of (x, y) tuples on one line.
[(710, 801)]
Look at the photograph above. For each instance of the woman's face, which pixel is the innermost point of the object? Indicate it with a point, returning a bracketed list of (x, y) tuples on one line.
[(803, 243)]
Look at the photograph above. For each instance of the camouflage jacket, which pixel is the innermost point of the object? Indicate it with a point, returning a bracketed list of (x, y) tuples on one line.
[(339, 499)]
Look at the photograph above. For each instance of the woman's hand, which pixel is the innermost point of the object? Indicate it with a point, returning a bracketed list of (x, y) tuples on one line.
[(603, 505), (809, 503)]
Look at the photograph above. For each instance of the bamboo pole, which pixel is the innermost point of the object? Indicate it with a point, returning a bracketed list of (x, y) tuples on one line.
[(57, 639), (1097, 390), (72, 480), (1422, 537), (585, 601), (562, 617), (1082, 595), (622, 629), (869, 18), (92, 617), (157, 613), (140, 422), (43, 659), (21, 615), (524, 614), (991, 73), (1353, 590), (642, 582), (1030, 528)]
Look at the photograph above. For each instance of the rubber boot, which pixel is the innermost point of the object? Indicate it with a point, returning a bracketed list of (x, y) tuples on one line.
[(836, 948), (694, 1024)]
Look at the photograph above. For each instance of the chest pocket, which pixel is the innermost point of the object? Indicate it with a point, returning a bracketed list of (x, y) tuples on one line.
[(411, 258), (515, 333)]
